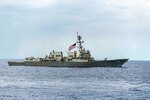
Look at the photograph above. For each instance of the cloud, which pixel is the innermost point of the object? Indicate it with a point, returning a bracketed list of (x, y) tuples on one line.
[(28, 3), (126, 4), (109, 27), (130, 4)]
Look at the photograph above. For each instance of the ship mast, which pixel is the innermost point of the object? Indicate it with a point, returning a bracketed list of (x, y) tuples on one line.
[(79, 43), (81, 53)]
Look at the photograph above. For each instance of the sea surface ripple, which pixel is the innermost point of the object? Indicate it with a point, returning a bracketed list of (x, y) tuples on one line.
[(131, 82)]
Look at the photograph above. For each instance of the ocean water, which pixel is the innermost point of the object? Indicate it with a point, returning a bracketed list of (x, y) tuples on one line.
[(132, 82)]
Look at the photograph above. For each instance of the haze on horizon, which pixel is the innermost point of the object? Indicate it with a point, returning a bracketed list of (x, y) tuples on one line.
[(110, 28)]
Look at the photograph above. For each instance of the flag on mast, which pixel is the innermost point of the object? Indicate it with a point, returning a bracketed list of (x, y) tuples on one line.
[(72, 46)]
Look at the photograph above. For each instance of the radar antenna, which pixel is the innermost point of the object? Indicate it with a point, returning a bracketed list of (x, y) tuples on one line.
[(79, 43)]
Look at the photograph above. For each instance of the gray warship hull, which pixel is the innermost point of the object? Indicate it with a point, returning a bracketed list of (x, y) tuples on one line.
[(101, 63), (79, 58)]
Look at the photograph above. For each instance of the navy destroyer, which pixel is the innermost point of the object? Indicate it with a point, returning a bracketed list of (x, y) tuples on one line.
[(79, 58)]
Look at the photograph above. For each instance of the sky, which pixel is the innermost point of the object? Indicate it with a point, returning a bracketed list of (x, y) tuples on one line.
[(109, 28)]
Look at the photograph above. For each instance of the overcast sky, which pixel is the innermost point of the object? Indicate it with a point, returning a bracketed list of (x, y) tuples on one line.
[(110, 28)]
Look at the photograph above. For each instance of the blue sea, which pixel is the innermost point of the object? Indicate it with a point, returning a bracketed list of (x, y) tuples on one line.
[(131, 82)]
